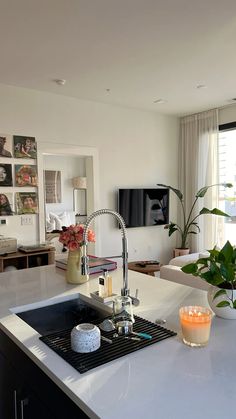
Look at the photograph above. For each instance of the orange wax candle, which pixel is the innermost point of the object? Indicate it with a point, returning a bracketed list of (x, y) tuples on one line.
[(195, 324)]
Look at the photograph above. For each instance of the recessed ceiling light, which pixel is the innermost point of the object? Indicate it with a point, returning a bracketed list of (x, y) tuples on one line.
[(159, 101), (108, 90), (60, 82), (201, 86)]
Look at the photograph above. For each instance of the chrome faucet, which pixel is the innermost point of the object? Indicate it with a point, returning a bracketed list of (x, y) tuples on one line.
[(85, 257)]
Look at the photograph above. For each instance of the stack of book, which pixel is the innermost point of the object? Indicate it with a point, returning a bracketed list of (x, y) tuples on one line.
[(96, 264)]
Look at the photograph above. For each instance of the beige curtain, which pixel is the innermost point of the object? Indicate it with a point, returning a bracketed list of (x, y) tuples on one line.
[(198, 167)]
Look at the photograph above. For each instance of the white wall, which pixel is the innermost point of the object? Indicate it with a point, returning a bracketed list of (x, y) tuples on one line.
[(136, 148), (227, 114)]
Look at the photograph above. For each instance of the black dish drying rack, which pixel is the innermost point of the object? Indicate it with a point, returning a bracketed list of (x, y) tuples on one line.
[(120, 346)]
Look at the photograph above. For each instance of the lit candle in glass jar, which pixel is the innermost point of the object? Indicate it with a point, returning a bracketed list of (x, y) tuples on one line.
[(196, 324)]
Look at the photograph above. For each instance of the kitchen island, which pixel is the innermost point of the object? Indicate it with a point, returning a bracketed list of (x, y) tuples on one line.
[(165, 380)]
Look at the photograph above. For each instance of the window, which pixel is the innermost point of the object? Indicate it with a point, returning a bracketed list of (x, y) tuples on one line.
[(227, 173)]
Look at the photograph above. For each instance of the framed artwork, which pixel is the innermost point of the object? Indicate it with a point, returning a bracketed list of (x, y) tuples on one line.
[(52, 186), (5, 174), (24, 147), (6, 204), (26, 202), (5, 145), (26, 175)]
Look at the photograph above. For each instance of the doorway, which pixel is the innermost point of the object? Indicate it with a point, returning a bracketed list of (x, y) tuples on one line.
[(90, 157)]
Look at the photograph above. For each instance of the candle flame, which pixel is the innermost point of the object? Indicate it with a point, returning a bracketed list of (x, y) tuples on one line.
[(195, 312)]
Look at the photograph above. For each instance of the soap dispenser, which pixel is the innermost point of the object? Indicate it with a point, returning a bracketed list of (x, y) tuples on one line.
[(108, 282), (105, 284), (102, 290)]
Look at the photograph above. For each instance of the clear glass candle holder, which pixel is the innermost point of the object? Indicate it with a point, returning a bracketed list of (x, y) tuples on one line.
[(195, 323)]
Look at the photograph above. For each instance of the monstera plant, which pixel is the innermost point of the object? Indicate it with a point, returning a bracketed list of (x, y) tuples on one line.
[(190, 221)]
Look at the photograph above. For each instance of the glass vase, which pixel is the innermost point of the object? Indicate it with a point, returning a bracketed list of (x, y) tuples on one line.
[(73, 272)]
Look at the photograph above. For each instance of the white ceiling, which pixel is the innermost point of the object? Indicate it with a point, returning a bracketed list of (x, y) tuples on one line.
[(142, 50)]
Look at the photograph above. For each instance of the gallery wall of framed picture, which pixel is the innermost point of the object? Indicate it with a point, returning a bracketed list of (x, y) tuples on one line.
[(18, 176)]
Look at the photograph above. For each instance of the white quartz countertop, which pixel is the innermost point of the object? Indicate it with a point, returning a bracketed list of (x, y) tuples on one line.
[(167, 380)]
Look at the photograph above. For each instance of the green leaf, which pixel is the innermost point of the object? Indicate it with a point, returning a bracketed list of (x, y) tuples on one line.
[(205, 210), (172, 228), (218, 293), (176, 191), (223, 304), (214, 211), (202, 261), (191, 268), (201, 193), (227, 251), (171, 231), (212, 278), (220, 258), (227, 271), (227, 185), (234, 256), (196, 225), (214, 253)]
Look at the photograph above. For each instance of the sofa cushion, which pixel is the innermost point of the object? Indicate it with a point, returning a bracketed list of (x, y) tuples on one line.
[(174, 274), (184, 260)]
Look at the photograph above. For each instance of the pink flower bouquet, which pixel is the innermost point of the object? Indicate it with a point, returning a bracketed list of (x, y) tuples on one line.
[(72, 236)]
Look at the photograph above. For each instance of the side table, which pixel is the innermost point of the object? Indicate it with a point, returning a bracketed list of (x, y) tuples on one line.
[(147, 267)]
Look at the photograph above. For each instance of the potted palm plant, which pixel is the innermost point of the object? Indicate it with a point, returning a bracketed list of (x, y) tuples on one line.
[(219, 270), (190, 224)]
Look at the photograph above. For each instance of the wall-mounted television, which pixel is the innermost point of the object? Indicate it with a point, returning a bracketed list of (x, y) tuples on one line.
[(144, 207)]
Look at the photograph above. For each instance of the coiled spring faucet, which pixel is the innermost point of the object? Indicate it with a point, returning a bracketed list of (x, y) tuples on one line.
[(85, 257)]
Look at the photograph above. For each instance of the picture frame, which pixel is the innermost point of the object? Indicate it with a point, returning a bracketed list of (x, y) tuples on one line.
[(26, 175), (26, 202), (24, 147), (5, 175), (5, 145), (52, 180), (6, 204)]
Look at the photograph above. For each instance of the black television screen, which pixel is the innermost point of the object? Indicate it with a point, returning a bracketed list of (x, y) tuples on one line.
[(144, 207)]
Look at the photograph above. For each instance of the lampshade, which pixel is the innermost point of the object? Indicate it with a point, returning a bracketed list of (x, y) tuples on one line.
[(79, 182)]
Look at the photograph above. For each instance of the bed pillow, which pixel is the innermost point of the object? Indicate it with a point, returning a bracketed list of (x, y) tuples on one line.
[(50, 225), (64, 218), (54, 218)]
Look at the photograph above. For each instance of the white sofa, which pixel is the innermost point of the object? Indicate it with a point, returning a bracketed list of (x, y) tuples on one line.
[(172, 272)]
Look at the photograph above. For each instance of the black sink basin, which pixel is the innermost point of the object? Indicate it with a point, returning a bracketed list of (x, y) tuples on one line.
[(63, 315), (55, 322)]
